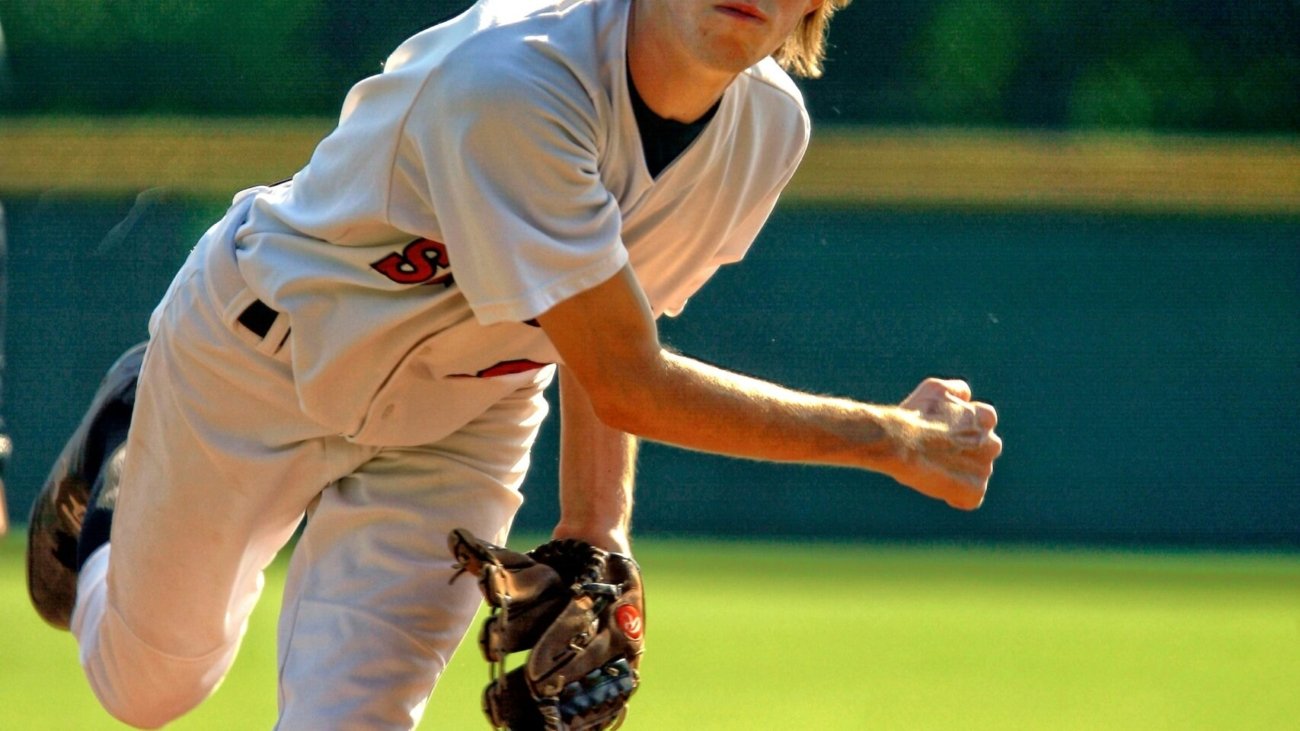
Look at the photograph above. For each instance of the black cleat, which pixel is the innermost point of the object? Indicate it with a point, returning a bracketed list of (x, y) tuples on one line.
[(93, 455)]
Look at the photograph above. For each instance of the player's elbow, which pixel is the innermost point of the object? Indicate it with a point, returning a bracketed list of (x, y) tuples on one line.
[(617, 408), (627, 402)]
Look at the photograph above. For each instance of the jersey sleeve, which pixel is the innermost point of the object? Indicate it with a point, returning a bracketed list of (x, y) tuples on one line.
[(510, 149)]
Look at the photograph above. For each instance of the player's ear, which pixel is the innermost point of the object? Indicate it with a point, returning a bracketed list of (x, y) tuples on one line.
[(813, 6)]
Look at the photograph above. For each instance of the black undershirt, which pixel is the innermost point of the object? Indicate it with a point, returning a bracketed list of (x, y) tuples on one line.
[(662, 140)]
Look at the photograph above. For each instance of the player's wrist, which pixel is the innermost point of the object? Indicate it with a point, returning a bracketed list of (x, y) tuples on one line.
[(889, 441), (613, 539)]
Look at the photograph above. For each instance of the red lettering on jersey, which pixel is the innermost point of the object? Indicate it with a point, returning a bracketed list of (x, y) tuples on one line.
[(509, 367), (504, 368), (419, 263)]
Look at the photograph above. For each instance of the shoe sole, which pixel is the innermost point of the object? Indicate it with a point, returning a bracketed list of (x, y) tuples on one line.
[(60, 507)]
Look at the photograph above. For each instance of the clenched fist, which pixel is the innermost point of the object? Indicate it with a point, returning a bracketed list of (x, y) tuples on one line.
[(947, 443)]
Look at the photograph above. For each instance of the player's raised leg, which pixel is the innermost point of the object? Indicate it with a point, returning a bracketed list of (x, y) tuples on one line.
[(205, 500)]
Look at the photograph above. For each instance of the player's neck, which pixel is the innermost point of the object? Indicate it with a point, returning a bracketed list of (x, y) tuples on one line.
[(670, 82)]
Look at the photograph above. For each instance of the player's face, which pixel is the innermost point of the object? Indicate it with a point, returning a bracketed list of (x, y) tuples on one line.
[(732, 35)]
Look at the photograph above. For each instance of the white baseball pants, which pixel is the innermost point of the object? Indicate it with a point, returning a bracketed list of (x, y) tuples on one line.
[(220, 467)]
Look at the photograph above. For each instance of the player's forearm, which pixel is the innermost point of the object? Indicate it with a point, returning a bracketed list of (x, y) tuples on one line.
[(597, 473), (936, 441), (609, 342), (681, 401)]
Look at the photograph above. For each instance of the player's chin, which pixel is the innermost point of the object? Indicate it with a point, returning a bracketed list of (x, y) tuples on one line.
[(733, 53)]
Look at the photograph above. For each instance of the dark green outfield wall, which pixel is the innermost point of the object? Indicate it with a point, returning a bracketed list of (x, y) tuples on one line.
[(1146, 369)]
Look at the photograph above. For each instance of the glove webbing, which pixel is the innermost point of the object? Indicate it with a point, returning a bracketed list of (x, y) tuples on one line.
[(582, 561)]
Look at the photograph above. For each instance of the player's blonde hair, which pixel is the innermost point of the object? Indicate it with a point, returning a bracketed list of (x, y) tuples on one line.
[(803, 52)]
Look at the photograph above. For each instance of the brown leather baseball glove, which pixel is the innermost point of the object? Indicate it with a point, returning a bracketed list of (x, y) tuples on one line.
[(578, 612)]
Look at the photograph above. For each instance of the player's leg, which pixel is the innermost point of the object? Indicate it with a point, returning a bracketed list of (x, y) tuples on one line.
[(370, 617), (203, 508), (219, 467)]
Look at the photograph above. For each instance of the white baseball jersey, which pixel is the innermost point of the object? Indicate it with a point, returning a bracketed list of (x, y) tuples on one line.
[(493, 170)]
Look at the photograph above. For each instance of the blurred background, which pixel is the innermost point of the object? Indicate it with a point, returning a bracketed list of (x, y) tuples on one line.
[(1173, 65), (1089, 209)]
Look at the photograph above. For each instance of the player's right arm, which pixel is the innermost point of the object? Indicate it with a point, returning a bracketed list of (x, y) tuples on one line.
[(937, 441)]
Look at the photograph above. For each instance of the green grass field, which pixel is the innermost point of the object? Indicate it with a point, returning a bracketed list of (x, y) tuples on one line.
[(773, 636)]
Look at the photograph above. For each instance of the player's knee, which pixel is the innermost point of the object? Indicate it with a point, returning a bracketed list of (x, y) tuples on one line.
[(134, 719), (148, 708), (148, 689)]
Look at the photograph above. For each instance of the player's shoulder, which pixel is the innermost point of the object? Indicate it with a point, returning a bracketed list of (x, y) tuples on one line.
[(774, 107), (525, 52), (567, 31), (769, 84)]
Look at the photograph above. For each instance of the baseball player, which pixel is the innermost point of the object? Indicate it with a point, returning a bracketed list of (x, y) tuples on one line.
[(515, 199)]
